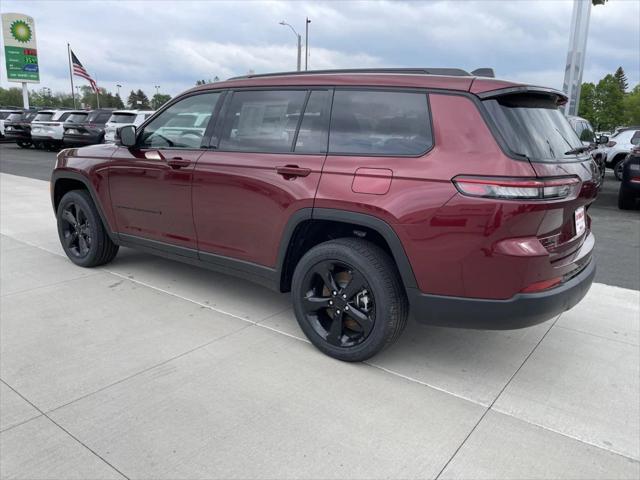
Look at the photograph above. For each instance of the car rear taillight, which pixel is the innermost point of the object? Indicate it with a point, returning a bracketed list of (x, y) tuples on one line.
[(611, 143), (517, 188), (634, 179)]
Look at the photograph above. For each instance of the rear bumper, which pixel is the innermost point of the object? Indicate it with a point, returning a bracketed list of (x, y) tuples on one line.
[(18, 136), (45, 138), (82, 139), (521, 310)]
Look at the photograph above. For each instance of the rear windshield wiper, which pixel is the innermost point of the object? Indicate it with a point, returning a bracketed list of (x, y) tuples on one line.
[(575, 151)]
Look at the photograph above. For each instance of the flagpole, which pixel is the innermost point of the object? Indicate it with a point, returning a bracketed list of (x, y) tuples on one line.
[(73, 95)]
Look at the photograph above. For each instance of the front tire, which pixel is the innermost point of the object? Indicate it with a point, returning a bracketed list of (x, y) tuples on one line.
[(348, 299), (82, 234), (617, 169)]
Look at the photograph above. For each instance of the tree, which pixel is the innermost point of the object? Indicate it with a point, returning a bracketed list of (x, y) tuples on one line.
[(610, 102), (632, 106), (132, 100), (142, 99), (11, 97), (621, 77), (589, 104), (159, 99)]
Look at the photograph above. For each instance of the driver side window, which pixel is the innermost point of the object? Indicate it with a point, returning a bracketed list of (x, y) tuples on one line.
[(182, 125)]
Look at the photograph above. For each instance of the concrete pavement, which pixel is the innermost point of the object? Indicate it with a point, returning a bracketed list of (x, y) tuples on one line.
[(147, 368)]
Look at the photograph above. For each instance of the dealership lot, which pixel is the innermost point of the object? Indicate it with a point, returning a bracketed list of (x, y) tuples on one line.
[(150, 368)]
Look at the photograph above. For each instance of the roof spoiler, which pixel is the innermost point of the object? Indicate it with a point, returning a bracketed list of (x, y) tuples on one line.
[(484, 72), (561, 97)]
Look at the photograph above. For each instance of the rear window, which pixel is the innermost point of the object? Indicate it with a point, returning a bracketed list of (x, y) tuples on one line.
[(122, 118), (379, 123), (533, 126), (14, 117), (4, 115), (74, 117), (43, 117), (98, 117)]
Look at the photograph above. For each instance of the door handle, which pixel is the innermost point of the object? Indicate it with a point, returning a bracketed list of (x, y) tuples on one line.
[(178, 162), (292, 171)]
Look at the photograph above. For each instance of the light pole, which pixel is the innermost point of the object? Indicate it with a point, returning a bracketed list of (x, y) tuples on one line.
[(299, 42), (155, 100), (118, 87), (78, 95), (306, 43)]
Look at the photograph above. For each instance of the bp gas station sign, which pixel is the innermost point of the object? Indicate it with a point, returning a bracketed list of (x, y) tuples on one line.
[(20, 51)]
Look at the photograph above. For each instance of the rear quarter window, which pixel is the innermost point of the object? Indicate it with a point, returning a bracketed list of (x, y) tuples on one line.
[(380, 123)]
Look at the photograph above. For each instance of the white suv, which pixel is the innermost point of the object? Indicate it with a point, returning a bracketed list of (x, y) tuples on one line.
[(619, 146), (120, 118), (47, 128)]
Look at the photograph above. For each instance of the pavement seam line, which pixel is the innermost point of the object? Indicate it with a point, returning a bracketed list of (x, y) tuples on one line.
[(61, 282), (495, 399), (65, 430), (390, 372), (599, 447), (599, 336)]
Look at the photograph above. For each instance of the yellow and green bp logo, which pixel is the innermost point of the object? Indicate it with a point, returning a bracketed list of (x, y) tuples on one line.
[(21, 31)]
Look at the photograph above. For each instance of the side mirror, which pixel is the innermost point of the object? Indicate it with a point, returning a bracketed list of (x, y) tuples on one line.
[(126, 135), (603, 139)]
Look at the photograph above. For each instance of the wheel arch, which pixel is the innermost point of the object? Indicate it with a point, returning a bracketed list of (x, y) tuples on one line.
[(309, 227), (65, 181)]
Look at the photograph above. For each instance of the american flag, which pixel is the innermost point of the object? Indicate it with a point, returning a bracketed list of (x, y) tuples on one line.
[(79, 70)]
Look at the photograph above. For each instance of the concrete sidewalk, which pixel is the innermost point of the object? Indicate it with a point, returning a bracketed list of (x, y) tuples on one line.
[(148, 368)]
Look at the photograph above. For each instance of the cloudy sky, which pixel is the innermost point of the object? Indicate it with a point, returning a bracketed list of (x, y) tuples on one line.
[(140, 44)]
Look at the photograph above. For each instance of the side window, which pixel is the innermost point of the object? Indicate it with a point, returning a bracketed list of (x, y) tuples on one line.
[(379, 123), (587, 134), (635, 140), (314, 129), (182, 125), (261, 120)]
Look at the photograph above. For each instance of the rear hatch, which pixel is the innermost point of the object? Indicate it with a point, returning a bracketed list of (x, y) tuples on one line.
[(535, 129)]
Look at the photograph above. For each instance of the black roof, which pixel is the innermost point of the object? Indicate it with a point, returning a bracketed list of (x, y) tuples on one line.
[(451, 72)]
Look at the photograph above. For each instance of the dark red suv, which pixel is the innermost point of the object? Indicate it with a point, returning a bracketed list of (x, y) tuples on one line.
[(370, 195)]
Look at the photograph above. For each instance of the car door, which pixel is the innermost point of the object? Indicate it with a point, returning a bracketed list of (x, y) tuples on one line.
[(150, 184), (266, 167)]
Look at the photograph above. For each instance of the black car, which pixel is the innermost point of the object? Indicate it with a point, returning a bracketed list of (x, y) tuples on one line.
[(17, 127), (89, 132), (629, 192)]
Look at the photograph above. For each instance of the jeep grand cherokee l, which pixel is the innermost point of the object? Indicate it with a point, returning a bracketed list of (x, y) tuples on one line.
[(369, 195)]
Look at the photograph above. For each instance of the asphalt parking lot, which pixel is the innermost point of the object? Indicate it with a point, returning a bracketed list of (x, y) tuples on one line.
[(147, 368)]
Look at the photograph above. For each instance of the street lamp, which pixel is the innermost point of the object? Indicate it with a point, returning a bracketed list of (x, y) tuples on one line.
[(118, 86), (157, 87), (299, 41)]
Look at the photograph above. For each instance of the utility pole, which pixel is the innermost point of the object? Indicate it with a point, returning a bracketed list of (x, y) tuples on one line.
[(306, 44), (576, 54)]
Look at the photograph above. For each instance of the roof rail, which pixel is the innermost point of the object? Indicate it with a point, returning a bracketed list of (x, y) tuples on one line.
[(452, 72)]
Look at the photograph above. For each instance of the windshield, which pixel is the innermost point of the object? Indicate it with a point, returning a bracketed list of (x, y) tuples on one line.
[(122, 118), (533, 126), (43, 117)]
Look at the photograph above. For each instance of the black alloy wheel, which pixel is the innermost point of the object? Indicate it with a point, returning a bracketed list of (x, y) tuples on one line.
[(338, 303), (76, 230)]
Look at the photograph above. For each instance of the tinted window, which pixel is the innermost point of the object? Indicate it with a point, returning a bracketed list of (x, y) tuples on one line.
[(635, 140), (262, 121), (533, 126), (182, 125), (14, 117), (74, 117), (379, 123), (98, 117), (314, 129), (587, 134), (43, 117), (122, 118), (4, 115)]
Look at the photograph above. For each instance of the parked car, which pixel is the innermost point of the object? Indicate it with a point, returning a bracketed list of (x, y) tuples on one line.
[(618, 147), (47, 128), (368, 194), (88, 132), (4, 114), (120, 118), (629, 192), (590, 140), (17, 127)]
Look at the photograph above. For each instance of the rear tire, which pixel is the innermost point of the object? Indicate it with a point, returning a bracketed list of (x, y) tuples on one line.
[(81, 232), (626, 200), (348, 299), (617, 169), (24, 144)]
